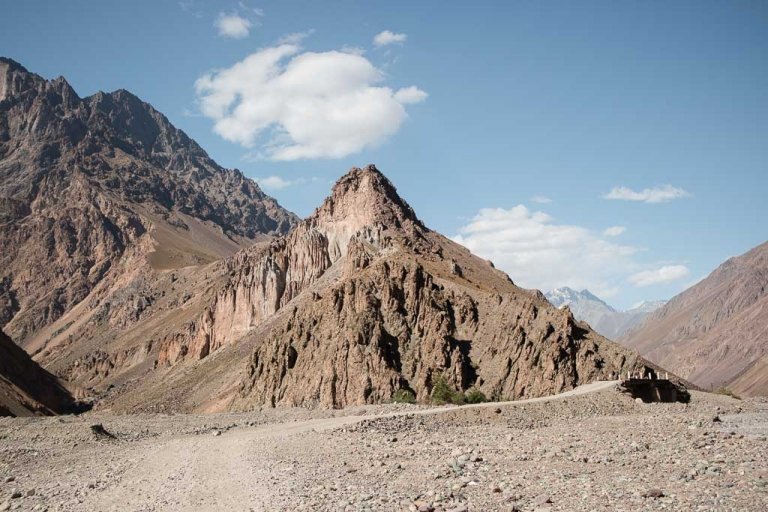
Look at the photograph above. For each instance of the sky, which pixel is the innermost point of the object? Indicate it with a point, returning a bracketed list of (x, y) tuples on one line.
[(616, 146)]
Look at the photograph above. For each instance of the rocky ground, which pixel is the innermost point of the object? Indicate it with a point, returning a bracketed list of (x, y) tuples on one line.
[(592, 450)]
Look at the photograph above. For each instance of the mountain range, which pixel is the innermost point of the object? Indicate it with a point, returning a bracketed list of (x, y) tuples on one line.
[(716, 332), (143, 273), (598, 314)]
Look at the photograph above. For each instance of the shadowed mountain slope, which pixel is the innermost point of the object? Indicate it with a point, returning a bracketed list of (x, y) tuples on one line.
[(25, 388)]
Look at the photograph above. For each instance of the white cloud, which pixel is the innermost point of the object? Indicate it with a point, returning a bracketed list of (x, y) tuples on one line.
[(538, 253), (388, 37), (233, 25), (295, 105), (295, 37), (410, 95), (614, 231), (273, 183), (191, 7), (354, 50), (662, 194), (278, 183), (256, 10), (541, 200), (665, 274)]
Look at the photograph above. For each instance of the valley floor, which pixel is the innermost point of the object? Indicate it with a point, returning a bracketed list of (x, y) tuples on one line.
[(590, 449)]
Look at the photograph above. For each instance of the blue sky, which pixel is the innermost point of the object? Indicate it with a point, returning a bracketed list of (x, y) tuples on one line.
[(473, 109)]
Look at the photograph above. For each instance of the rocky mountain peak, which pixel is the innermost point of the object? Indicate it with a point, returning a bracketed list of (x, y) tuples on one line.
[(606, 320), (363, 200), (566, 296), (89, 184), (366, 197), (14, 78)]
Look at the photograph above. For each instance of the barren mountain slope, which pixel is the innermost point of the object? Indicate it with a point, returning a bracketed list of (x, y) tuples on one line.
[(25, 388), (362, 300), (714, 332), (104, 206)]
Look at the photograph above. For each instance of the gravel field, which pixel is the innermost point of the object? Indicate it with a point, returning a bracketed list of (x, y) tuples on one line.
[(594, 450)]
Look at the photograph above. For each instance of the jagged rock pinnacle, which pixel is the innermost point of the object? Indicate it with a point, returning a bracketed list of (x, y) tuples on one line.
[(365, 197)]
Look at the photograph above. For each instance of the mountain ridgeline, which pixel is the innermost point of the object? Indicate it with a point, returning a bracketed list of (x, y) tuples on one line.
[(139, 270), (598, 314), (89, 187)]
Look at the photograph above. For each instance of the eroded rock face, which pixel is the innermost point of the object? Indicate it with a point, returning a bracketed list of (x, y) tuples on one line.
[(89, 186), (389, 325), (263, 280), (362, 300)]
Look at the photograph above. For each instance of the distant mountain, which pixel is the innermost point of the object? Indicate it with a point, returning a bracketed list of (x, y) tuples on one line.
[(25, 388), (598, 314), (716, 332), (95, 191)]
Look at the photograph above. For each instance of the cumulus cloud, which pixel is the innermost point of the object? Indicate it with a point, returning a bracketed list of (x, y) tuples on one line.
[(409, 95), (388, 37), (662, 194), (295, 37), (665, 274), (541, 199), (278, 183), (539, 253), (614, 231), (354, 50), (273, 183), (233, 25), (297, 105)]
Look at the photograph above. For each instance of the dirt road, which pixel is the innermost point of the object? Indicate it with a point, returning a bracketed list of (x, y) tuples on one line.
[(232, 471)]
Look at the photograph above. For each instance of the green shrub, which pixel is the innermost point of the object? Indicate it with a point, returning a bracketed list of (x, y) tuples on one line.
[(443, 393), (404, 396), (474, 396), (727, 392)]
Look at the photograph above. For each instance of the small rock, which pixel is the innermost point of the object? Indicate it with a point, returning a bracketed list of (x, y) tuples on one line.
[(423, 506), (716, 419), (5, 506), (542, 499), (497, 411), (653, 493), (30, 492), (9, 479), (216, 433), (99, 431), (15, 495)]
